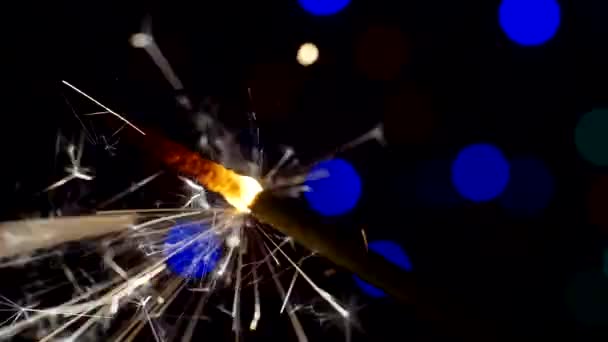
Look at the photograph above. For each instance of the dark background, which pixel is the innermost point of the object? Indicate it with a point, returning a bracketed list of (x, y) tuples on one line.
[(451, 79)]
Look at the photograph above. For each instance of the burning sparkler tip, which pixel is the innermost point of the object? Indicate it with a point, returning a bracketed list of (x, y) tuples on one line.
[(249, 189)]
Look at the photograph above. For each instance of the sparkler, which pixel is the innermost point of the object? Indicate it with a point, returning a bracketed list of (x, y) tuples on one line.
[(137, 257)]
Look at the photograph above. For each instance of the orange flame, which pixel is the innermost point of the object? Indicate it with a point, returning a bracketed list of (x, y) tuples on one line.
[(238, 190)]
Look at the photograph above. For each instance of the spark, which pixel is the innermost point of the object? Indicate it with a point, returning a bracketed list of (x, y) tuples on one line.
[(134, 187), (72, 279), (295, 322), (222, 269), (364, 236), (97, 113), (233, 240), (289, 152), (75, 170), (324, 294), (198, 194), (236, 324), (108, 146), (257, 312), (104, 107), (84, 127), (291, 285)]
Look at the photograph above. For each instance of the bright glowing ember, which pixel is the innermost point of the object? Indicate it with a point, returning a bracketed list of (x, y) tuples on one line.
[(248, 190)]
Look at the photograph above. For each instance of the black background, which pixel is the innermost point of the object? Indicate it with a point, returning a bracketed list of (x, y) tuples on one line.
[(513, 273)]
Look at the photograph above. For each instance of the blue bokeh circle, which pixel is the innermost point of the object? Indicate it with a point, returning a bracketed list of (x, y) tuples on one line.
[(199, 257), (480, 172), (529, 22), (335, 193), (323, 7)]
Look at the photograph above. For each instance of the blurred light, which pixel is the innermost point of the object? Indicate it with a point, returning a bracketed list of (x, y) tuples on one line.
[(529, 22), (591, 137), (381, 53), (308, 54), (141, 40), (480, 172), (530, 188), (392, 252), (587, 297), (199, 257), (335, 187), (323, 7)]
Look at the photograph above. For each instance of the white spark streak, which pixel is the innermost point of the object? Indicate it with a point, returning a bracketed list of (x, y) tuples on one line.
[(295, 322), (236, 323), (291, 285), (257, 312), (289, 152), (104, 107), (198, 194), (220, 272), (324, 294), (131, 189)]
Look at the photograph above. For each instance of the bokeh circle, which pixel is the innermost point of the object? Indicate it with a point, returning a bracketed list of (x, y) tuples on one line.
[(480, 172), (334, 187), (530, 22)]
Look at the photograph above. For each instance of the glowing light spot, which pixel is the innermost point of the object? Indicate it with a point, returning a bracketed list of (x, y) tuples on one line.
[(243, 194), (199, 257), (141, 40), (233, 240), (323, 7), (480, 172), (392, 252), (591, 137), (530, 188), (308, 54), (335, 192), (529, 22)]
